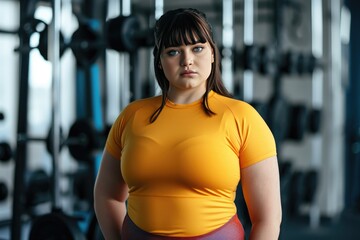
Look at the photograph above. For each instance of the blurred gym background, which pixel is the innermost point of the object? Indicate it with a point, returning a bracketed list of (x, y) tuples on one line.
[(68, 67)]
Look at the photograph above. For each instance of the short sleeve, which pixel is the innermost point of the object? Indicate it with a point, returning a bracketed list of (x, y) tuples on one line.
[(113, 142), (257, 140)]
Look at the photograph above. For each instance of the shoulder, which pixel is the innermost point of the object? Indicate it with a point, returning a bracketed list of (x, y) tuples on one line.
[(145, 102), (150, 103), (236, 106), (145, 105), (240, 111)]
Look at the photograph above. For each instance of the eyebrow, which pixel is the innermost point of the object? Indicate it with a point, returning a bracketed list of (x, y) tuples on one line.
[(193, 43), (198, 41)]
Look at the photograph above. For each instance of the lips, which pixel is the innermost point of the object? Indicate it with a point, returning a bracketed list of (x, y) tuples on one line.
[(187, 73)]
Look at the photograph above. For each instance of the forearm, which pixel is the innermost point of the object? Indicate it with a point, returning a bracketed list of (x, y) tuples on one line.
[(261, 188), (265, 231), (110, 215)]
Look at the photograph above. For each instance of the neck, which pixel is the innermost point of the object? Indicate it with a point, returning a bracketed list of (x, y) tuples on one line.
[(185, 97)]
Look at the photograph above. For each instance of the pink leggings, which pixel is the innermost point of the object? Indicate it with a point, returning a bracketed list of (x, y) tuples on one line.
[(232, 230)]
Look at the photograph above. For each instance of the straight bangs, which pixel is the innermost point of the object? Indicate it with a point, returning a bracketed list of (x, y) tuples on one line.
[(184, 30)]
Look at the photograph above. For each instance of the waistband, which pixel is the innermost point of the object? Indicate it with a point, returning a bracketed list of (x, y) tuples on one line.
[(232, 230)]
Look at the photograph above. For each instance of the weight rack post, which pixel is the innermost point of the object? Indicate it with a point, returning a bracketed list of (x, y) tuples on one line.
[(54, 57), (317, 100), (21, 149), (227, 42), (248, 75)]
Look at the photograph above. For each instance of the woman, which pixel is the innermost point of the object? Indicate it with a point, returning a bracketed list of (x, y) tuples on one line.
[(172, 163)]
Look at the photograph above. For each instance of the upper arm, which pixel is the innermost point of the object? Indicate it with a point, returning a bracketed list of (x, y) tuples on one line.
[(109, 181), (257, 141), (261, 189)]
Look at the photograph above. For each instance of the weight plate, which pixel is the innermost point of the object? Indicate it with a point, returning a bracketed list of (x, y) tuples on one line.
[(55, 226), (82, 140), (5, 152), (4, 191), (121, 33), (85, 45)]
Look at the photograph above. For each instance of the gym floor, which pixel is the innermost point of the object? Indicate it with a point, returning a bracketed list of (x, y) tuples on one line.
[(345, 227), (5, 231)]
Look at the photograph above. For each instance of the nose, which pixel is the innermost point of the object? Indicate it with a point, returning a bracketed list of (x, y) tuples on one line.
[(187, 59)]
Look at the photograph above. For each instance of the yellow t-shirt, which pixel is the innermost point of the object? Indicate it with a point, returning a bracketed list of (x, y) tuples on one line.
[(183, 169)]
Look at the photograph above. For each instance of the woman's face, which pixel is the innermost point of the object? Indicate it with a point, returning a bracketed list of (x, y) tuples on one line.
[(187, 67)]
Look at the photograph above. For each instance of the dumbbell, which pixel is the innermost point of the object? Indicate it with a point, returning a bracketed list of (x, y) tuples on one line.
[(289, 63), (303, 120), (268, 60), (298, 122), (262, 59), (297, 192), (298, 63), (310, 63), (314, 120), (311, 185), (287, 121), (249, 58)]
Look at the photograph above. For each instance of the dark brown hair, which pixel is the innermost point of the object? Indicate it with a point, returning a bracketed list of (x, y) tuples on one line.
[(186, 26)]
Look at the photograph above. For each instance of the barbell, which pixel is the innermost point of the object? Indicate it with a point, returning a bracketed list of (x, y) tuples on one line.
[(122, 34), (22, 138), (83, 140), (91, 139)]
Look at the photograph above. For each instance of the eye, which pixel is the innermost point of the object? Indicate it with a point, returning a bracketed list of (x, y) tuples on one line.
[(198, 48), (172, 52)]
